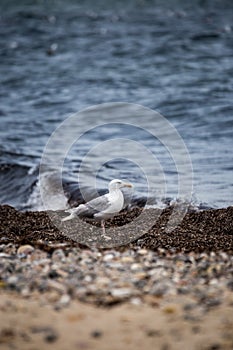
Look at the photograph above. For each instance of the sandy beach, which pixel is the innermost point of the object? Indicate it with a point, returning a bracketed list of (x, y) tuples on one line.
[(32, 324), (158, 292)]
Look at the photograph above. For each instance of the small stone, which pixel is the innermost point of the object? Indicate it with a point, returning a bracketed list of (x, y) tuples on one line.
[(65, 300), (88, 278), (2, 284), (53, 296), (12, 280), (214, 282), (58, 255), (213, 302), (108, 257), (215, 346), (127, 259), (152, 300), (140, 276), (142, 251), (25, 249), (25, 292), (135, 267), (4, 255), (189, 306), (107, 238), (196, 329), (159, 289), (136, 301), (54, 285), (165, 347), (169, 309), (230, 284), (153, 333), (51, 336), (121, 292), (6, 335), (102, 281), (53, 274), (96, 334)]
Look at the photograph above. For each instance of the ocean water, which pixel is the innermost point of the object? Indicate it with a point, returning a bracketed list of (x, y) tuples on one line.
[(60, 57)]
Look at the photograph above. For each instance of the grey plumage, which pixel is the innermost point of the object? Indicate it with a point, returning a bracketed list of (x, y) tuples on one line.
[(103, 207)]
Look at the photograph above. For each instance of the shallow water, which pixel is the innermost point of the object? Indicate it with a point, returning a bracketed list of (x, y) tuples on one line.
[(60, 57)]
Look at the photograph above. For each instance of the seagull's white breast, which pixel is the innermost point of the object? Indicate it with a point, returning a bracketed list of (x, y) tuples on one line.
[(115, 204)]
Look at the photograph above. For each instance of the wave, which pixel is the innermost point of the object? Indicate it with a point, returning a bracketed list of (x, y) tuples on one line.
[(21, 188), (17, 182)]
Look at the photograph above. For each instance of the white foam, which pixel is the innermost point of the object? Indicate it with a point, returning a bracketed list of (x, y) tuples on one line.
[(53, 200)]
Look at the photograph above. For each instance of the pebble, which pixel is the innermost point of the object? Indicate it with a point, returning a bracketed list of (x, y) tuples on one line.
[(136, 267), (127, 259), (57, 286), (136, 301), (25, 249), (25, 292), (96, 334), (159, 289), (108, 257), (109, 276), (12, 280), (65, 300), (121, 292), (58, 255), (51, 336), (102, 281), (169, 309), (4, 255), (142, 251), (53, 296), (153, 333)]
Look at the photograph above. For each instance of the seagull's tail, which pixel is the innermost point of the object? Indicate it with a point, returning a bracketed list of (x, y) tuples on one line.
[(74, 212), (71, 216)]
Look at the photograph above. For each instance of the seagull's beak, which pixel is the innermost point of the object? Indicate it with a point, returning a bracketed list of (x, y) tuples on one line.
[(127, 184)]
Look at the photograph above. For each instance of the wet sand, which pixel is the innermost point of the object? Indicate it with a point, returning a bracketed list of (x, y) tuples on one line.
[(26, 324)]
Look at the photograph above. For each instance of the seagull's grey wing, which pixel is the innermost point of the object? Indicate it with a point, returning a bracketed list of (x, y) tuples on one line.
[(91, 209), (95, 206)]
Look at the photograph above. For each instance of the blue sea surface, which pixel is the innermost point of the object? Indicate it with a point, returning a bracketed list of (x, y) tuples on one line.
[(59, 57)]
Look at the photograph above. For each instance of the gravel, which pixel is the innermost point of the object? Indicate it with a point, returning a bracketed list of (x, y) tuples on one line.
[(195, 260)]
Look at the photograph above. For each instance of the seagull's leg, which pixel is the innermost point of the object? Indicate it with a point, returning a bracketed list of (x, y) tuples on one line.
[(103, 226)]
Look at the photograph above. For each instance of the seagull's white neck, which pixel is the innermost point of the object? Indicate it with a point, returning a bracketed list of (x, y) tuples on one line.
[(116, 199), (114, 190)]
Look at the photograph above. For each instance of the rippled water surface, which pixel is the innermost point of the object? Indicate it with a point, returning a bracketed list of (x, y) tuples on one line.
[(175, 57)]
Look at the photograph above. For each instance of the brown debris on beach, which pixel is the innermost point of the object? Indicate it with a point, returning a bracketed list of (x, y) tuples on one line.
[(202, 231)]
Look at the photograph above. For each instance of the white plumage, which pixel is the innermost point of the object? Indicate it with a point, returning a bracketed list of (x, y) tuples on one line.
[(103, 207)]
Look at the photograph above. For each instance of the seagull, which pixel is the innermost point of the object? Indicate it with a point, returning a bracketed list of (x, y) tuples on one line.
[(103, 207)]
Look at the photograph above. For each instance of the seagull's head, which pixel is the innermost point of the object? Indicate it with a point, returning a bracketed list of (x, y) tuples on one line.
[(117, 184)]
